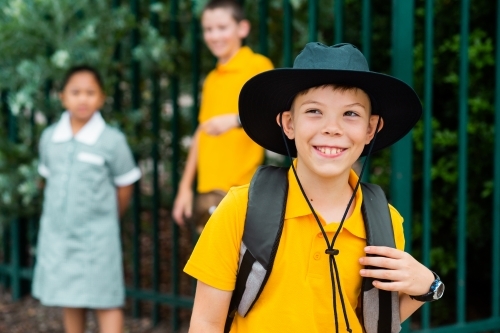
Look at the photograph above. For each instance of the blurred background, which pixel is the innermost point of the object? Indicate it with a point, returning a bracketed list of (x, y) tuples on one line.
[(444, 177)]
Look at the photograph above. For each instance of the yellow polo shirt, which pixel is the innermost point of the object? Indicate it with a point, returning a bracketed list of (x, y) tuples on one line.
[(229, 159), (298, 294)]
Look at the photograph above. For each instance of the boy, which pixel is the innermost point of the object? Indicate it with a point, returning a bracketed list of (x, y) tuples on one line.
[(332, 110), (221, 153)]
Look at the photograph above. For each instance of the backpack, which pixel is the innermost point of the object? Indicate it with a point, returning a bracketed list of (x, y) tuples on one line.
[(264, 222)]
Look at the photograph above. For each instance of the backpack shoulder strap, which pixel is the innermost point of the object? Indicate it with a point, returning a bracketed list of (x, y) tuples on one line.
[(380, 308), (264, 220)]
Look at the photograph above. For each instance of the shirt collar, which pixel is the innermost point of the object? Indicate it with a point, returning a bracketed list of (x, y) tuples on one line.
[(88, 134), (238, 61), (297, 206)]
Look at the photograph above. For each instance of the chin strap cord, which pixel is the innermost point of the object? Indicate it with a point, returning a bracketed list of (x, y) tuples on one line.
[(331, 251)]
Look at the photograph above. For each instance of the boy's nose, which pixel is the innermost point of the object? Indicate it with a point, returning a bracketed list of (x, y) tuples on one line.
[(332, 126)]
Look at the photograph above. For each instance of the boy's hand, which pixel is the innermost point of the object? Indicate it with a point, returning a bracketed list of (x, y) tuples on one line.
[(405, 273), (183, 206), (220, 124)]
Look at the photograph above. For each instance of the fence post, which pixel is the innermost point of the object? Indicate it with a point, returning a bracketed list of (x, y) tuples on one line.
[(15, 255), (313, 20), (263, 15), (174, 86), (155, 119), (427, 165), (287, 33), (136, 104), (401, 152), (462, 161), (495, 280), (338, 20)]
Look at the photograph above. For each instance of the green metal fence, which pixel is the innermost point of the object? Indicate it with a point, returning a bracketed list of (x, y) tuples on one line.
[(16, 268)]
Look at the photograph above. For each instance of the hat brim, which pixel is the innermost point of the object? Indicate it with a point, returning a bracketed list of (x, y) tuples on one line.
[(267, 94)]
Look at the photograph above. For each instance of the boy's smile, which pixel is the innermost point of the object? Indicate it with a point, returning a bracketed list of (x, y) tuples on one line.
[(331, 127)]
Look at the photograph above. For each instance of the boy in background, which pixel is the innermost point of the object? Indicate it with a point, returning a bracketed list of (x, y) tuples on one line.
[(221, 154)]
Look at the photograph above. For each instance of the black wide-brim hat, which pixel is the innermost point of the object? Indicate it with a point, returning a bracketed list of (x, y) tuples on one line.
[(267, 94)]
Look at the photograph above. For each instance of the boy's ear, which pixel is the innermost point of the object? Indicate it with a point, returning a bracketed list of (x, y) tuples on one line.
[(287, 121), (243, 29), (372, 127)]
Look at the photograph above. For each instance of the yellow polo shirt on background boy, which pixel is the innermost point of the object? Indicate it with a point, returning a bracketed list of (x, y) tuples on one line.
[(291, 301), (231, 158)]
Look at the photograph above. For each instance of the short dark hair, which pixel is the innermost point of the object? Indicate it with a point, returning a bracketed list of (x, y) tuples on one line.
[(79, 69), (234, 6)]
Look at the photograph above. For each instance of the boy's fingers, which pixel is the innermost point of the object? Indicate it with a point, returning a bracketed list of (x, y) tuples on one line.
[(382, 274), (389, 286), (384, 251), (383, 262)]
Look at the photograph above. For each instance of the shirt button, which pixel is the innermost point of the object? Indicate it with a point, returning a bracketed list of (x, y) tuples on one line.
[(320, 235), (317, 256)]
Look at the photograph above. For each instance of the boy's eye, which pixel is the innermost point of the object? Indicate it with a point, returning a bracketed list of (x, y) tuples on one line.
[(314, 111), (350, 114)]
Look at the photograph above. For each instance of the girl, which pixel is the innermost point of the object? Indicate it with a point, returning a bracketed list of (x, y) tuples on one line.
[(89, 171)]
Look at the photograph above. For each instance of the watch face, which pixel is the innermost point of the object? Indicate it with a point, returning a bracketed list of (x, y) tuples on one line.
[(439, 291)]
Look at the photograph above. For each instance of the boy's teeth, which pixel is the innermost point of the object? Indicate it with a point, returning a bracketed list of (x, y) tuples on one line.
[(329, 151)]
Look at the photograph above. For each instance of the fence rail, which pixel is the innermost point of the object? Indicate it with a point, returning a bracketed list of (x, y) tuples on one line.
[(16, 270)]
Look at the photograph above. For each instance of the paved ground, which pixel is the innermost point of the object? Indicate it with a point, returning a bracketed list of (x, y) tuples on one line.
[(28, 316)]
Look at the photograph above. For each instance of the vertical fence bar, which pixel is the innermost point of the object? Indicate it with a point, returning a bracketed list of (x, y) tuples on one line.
[(155, 119), (4, 277), (117, 93), (402, 68), (366, 29), (313, 20), (338, 20), (174, 89), (136, 104), (195, 65), (495, 279), (15, 255), (366, 45), (402, 151), (427, 180), (287, 33), (462, 162), (263, 15)]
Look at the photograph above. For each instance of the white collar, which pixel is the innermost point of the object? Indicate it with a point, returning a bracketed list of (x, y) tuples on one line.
[(88, 134)]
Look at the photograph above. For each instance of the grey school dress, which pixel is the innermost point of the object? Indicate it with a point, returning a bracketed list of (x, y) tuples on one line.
[(79, 261)]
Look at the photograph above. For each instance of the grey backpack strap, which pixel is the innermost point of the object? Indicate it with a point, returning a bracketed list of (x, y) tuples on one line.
[(380, 308), (264, 221)]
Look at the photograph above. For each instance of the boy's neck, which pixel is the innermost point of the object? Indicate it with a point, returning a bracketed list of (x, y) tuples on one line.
[(224, 60), (328, 196)]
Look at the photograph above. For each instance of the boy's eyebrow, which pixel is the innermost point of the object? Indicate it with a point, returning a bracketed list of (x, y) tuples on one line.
[(354, 104), (311, 102)]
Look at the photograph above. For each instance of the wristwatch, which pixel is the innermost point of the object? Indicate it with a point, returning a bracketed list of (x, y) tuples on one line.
[(436, 291)]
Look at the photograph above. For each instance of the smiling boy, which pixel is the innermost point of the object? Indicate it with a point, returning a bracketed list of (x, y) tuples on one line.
[(327, 111), (221, 154)]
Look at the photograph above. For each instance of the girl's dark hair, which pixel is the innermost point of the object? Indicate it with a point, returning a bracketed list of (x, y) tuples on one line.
[(233, 5), (79, 69)]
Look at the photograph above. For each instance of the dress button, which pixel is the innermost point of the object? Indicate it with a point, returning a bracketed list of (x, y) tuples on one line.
[(317, 256)]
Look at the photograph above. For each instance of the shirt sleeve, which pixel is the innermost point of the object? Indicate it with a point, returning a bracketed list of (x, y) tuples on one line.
[(397, 224), (123, 167), (43, 165), (215, 258)]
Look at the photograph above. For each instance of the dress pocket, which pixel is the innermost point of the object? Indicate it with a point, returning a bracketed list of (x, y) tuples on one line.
[(90, 158)]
